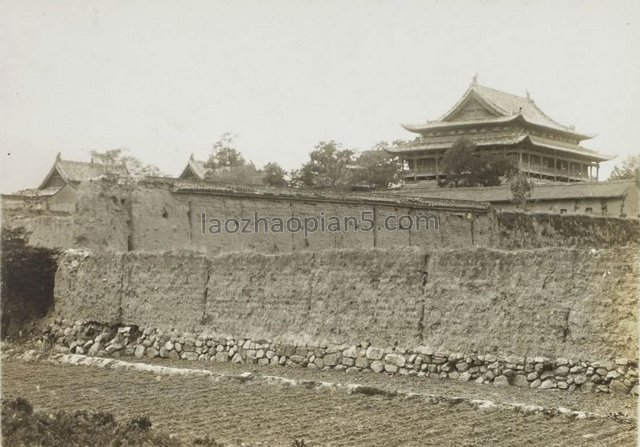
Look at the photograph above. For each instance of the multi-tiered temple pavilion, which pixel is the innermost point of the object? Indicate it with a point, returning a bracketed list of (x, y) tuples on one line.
[(503, 123)]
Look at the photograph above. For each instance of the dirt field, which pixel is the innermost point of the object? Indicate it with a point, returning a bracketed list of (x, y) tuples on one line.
[(252, 412)]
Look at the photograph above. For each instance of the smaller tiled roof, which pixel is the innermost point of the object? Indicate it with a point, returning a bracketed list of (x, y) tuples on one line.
[(195, 167), (495, 194), (80, 171), (197, 187)]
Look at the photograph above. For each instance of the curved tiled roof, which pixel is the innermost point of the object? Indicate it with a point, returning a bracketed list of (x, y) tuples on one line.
[(499, 139), (504, 106), (196, 167), (493, 194), (80, 171)]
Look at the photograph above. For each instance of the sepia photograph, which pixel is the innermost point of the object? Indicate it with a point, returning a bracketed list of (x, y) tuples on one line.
[(305, 223)]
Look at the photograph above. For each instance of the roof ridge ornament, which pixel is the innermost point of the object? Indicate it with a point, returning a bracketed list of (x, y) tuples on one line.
[(474, 81), (528, 94)]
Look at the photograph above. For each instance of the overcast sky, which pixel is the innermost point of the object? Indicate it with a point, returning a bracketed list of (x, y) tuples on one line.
[(165, 78)]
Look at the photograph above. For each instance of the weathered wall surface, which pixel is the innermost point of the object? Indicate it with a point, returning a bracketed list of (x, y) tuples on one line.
[(155, 217), (325, 297), (90, 287), (564, 302), (163, 220), (142, 289), (41, 229), (573, 303), (518, 230)]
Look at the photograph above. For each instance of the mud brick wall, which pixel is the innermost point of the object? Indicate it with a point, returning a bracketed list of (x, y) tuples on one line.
[(40, 229), (557, 302), (89, 287), (164, 220), (142, 289), (571, 303), (158, 217), (326, 297)]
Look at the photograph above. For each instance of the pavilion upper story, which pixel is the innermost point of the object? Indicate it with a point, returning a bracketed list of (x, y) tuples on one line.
[(500, 122)]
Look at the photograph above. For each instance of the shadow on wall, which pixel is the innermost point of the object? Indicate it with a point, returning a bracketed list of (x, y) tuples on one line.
[(28, 275)]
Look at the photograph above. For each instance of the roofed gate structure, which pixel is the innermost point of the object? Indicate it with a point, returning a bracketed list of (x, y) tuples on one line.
[(67, 172), (194, 170), (500, 122)]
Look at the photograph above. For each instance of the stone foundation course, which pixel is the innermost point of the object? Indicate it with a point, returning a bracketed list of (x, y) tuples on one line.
[(95, 339)]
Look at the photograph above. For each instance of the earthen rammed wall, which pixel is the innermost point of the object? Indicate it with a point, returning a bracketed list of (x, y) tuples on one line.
[(160, 216), (572, 303)]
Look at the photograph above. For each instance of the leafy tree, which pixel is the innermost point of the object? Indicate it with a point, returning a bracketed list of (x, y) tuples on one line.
[(486, 169), (521, 187), (108, 157), (627, 169), (298, 178), (242, 175), (327, 167), (376, 168), (224, 154), (227, 165), (136, 168), (273, 175), (457, 160), (464, 165)]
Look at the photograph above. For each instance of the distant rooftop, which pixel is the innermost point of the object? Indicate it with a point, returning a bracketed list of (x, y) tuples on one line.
[(79, 171), (494, 194), (194, 169), (498, 106)]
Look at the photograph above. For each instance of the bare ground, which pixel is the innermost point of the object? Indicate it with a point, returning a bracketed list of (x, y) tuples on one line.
[(235, 412)]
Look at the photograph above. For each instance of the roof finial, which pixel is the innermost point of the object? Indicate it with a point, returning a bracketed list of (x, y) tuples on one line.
[(475, 79), (528, 95), (59, 156), (191, 158)]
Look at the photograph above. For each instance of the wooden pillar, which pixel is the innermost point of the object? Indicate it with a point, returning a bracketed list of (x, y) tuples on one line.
[(437, 169), (597, 171), (569, 171), (555, 166), (415, 168), (540, 165), (520, 161)]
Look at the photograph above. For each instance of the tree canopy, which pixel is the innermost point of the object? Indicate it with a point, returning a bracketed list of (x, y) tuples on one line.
[(119, 156), (331, 166), (274, 175), (465, 165), (227, 165), (626, 169), (521, 187), (376, 168), (327, 167)]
